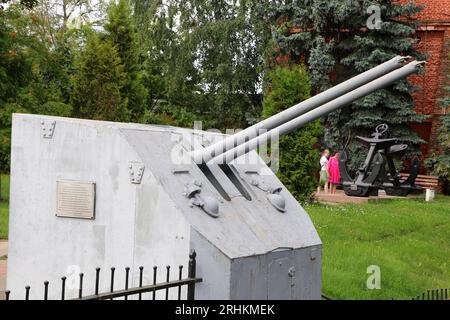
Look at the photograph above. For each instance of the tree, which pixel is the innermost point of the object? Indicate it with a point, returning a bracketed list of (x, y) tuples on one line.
[(26, 3), (32, 69), (439, 161), (205, 56), (333, 38), (298, 158), (98, 82), (28, 80), (13, 74), (121, 31)]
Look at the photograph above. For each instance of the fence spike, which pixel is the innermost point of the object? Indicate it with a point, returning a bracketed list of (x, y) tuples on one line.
[(191, 274), (167, 280), (97, 280), (112, 279), (180, 276), (155, 269), (141, 275), (127, 275), (63, 289), (80, 289), (27, 292), (46, 290)]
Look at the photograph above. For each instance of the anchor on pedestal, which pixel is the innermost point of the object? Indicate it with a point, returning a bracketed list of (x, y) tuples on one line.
[(378, 170)]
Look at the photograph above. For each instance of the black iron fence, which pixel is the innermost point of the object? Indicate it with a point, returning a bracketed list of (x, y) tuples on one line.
[(190, 282), (434, 294)]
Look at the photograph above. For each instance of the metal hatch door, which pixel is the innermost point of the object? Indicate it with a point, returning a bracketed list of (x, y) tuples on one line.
[(281, 279)]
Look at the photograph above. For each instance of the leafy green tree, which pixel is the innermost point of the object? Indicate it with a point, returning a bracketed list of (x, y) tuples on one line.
[(158, 43), (6, 112), (205, 56), (334, 39), (36, 75), (98, 82), (28, 81), (298, 157), (122, 33)]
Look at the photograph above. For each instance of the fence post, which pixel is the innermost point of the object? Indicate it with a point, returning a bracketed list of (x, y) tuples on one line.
[(63, 288), (46, 290), (191, 275), (27, 292)]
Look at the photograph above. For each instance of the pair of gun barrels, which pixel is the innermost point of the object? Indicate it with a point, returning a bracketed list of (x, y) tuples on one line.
[(339, 96)]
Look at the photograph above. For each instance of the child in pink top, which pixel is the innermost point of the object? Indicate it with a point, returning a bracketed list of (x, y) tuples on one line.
[(334, 175)]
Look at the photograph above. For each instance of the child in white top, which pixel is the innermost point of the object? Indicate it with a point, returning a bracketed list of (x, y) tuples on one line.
[(323, 181)]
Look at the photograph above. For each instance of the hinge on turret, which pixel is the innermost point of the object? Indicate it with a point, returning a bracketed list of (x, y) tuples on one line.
[(136, 172), (47, 129)]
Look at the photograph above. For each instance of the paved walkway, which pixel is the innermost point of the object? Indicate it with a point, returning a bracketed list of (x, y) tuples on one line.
[(3, 252), (340, 198)]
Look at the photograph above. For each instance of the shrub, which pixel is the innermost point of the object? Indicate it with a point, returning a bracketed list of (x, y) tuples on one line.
[(298, 158)]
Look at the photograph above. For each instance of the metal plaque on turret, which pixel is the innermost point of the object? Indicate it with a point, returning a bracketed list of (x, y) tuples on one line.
[(75, 199)]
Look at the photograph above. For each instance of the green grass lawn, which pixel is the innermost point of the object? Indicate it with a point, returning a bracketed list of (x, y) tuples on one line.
[(4, 207), (408, 239)]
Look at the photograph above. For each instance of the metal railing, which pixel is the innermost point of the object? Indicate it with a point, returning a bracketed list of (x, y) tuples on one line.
[(434, 294), (190, 282)]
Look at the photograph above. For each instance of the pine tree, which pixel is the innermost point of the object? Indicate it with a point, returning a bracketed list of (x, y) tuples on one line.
[(122, 33), (333, 38), (98, 82), (298, 161)]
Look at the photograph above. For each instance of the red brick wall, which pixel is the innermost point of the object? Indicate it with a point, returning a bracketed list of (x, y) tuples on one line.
[(434, 35), (434, 10), (431, 42)]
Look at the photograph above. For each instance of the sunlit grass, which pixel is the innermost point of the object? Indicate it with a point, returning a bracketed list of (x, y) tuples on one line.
[(408, 239)]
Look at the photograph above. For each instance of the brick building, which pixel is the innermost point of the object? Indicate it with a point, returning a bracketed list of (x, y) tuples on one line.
[(433, 33)]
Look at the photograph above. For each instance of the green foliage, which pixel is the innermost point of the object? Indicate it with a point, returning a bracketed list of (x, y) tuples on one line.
[(29, 79), (5, 188), (334, 37), (298, 158), (6, 112), (122, 33), (4, 220), (209, 62), (98, 82), (4, 204), (286, 88), (439, 161), (171, 115)]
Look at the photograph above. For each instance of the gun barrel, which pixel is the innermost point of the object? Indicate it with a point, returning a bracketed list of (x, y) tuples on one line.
[(312, 115), (206, 154)]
